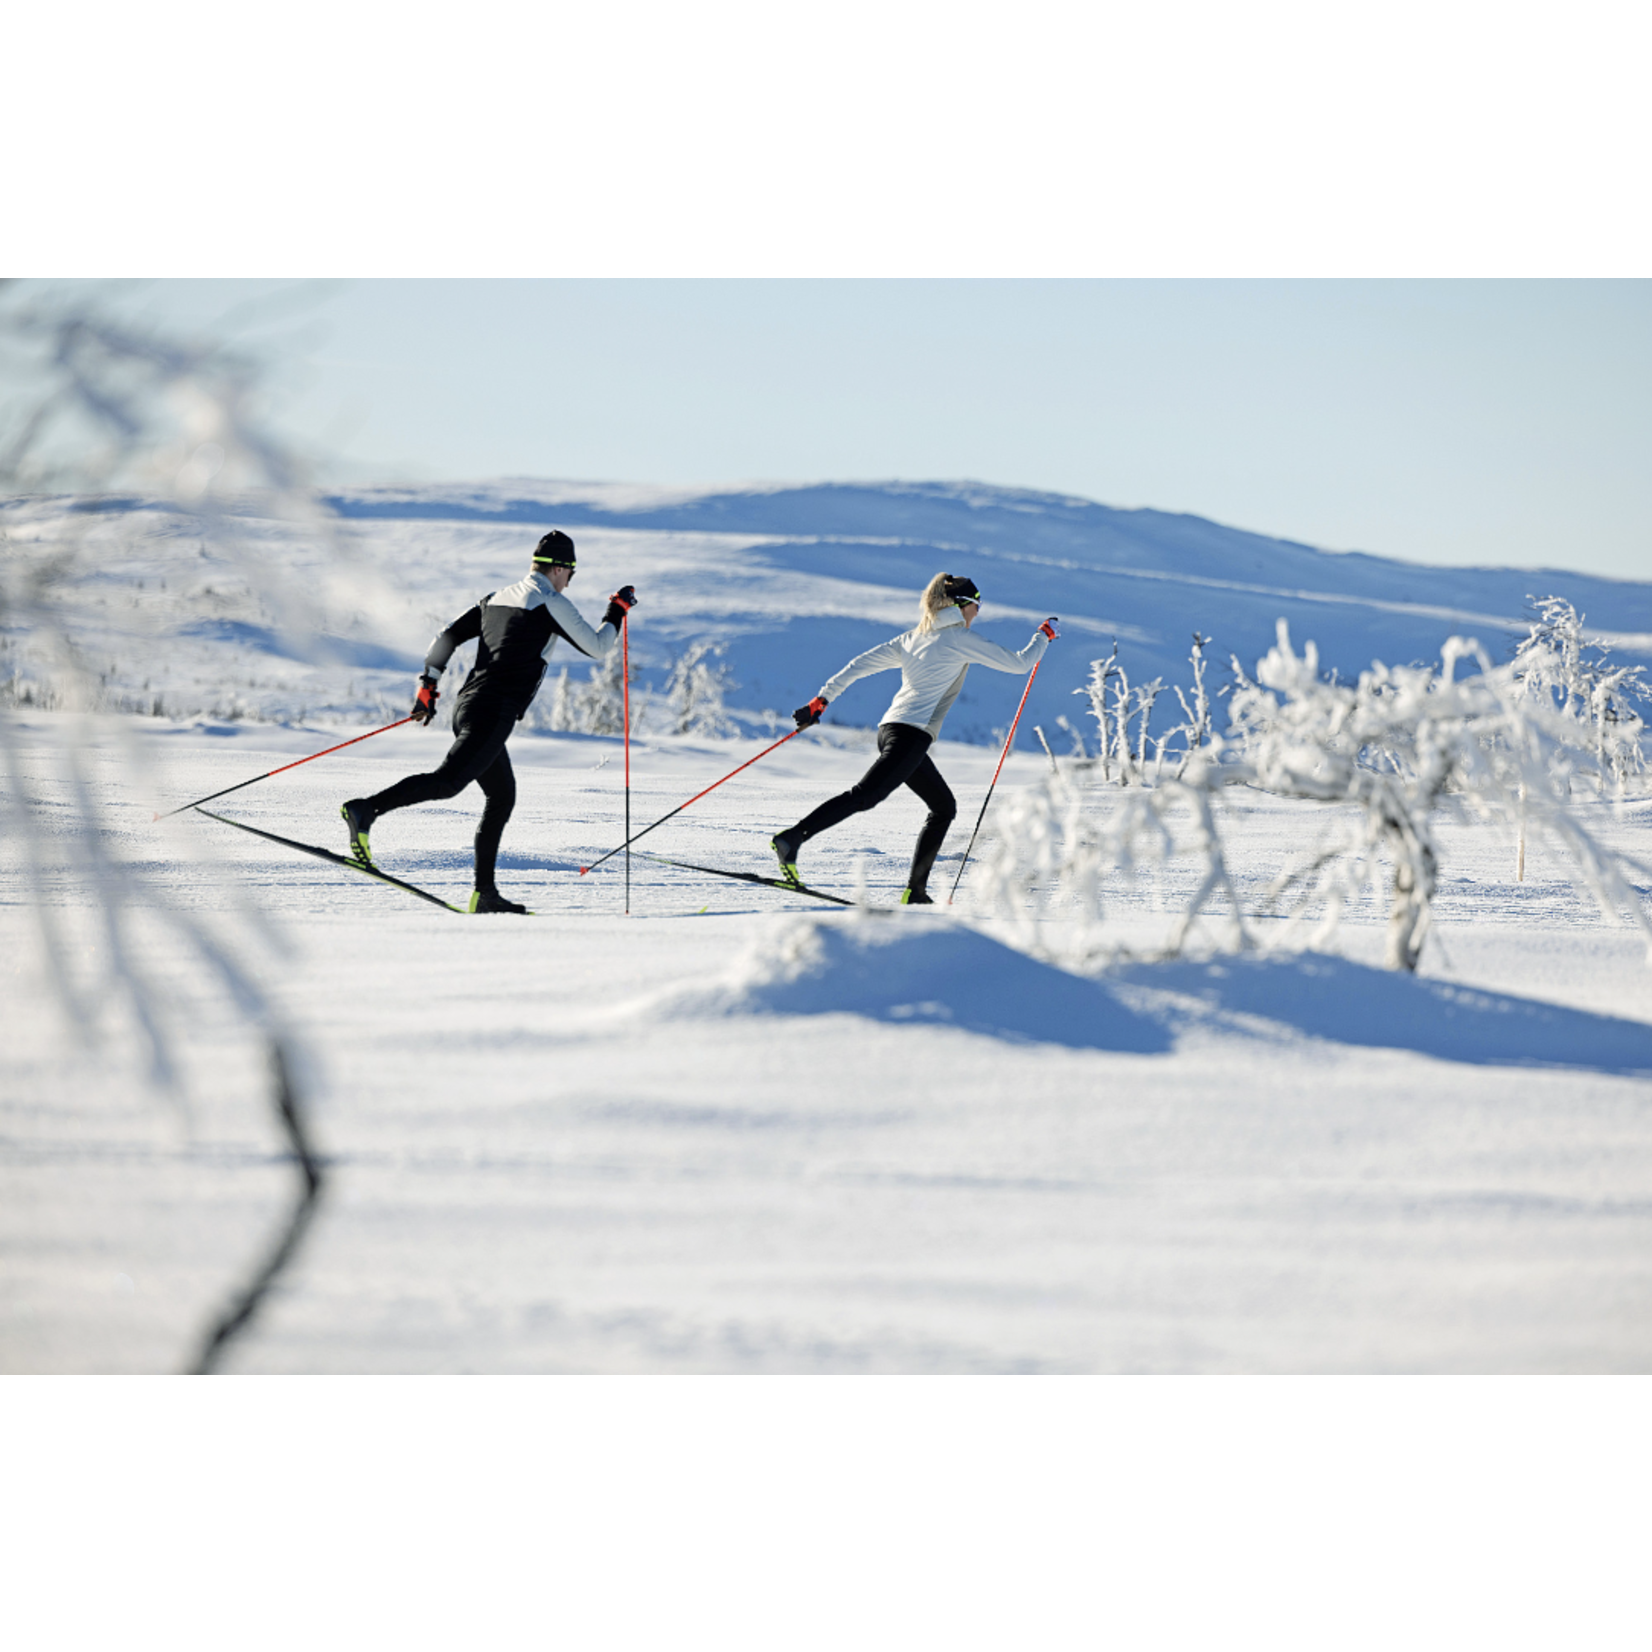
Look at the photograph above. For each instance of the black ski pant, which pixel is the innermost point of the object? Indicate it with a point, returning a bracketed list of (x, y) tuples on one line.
[(903, 760), (480, 728)]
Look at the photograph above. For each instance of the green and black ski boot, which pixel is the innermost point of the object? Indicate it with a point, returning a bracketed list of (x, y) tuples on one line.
[(916, 897), (490, 900), (785, 851), (358, 821)]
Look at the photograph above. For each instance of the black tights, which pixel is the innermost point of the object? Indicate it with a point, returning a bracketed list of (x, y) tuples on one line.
[(477, 753), (903, 759)]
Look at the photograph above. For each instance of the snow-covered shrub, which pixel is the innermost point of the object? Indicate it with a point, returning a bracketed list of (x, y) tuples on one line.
[(1046, 869), (1401, 744), (1196, 730), (593, 705), (1102, 681), (694, 694), (1115, 705), (1142, 701), (690, 703), (1557, 666)]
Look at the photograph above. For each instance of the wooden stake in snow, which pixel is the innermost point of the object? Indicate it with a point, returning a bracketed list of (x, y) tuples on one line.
[(1520, 858)]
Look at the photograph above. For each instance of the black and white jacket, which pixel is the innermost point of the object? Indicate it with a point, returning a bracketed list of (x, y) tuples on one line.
[(516, 628)]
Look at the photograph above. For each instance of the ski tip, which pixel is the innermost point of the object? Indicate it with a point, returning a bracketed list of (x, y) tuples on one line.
[(154, 817), (583, 870)]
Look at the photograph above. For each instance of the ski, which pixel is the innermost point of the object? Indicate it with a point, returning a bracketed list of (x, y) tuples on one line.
[(748, 877), (337, 860)]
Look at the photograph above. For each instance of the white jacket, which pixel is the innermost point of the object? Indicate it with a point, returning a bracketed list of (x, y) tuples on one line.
[(933, 665)]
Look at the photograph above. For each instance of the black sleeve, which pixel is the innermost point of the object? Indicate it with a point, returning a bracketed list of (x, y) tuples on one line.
[(466, 628)]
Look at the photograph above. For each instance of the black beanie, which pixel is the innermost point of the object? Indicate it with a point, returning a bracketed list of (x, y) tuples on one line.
[(555, 548), (961, 589)]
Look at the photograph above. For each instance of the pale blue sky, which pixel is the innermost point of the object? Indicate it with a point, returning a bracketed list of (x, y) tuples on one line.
[(1439, 421)]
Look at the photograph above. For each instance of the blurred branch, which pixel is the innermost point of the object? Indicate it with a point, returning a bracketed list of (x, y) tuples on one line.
[(108, 402)]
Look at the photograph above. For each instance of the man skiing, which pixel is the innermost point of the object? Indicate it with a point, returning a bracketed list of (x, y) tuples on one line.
[(516, 628), (933, 659)]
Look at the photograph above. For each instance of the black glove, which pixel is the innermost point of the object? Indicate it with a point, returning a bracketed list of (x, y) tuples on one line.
[(807, 716), (619, 605), (424, 708)]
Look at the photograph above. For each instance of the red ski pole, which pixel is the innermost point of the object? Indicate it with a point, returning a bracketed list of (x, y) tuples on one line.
[(282, 770), (995, 774), (625, 672), (629, 839)]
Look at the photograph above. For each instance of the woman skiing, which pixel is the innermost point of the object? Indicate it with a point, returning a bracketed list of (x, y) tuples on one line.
[(517, 627), (933, 658)]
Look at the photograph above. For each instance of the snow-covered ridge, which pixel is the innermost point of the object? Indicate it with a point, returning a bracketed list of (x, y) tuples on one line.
[(789, 579), (800, 576)]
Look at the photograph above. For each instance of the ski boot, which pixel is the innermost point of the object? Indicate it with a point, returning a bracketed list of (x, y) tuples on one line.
[(358, 821), (916, 897), (785, 851), (490, 900)]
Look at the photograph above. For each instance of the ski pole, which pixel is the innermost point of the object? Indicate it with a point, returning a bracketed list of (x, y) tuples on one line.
[(629, 839), (995, 774), (625, 673), (282, 770)]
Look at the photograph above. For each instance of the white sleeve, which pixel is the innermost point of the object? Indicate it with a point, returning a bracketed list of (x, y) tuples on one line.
[(978, 651), (886, 656), (596, 641)]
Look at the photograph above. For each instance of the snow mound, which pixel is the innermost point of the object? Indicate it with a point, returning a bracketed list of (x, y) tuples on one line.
[(915, 968), (923, 969), (1344, 1002)]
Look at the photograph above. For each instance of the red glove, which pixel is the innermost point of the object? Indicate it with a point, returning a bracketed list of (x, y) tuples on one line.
[(807, 716), (424, 708), (1048, 628)]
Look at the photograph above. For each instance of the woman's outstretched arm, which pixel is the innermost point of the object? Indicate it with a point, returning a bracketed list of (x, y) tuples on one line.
[(978, 651), (886, 656)]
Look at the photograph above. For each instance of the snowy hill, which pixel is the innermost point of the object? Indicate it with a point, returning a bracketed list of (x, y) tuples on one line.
[(792, 580), (802, 577)]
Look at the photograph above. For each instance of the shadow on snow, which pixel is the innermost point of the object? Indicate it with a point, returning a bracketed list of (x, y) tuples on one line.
[(1347, 1003), (911, 969)]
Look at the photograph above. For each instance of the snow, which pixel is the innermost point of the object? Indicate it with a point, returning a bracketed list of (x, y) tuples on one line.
[(738, 1132), (944, 974)]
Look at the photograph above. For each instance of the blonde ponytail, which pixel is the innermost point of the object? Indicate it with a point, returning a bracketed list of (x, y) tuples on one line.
[(934, 602)]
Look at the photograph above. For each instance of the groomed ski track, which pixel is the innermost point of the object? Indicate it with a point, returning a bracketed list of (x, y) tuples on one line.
[(375, 872)]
